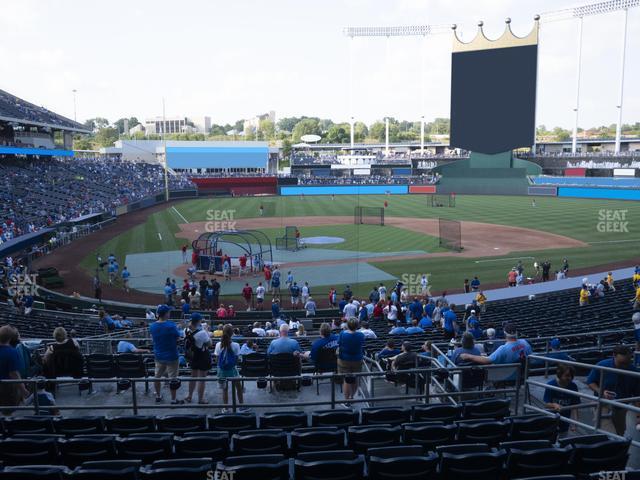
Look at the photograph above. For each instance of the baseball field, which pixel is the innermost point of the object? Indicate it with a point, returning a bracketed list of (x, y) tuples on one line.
[(497, 231)]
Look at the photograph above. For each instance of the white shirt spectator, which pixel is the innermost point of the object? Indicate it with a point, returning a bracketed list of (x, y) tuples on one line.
[(392, 312), (260, 332), (368, 333), (260, 292), (350, 310)]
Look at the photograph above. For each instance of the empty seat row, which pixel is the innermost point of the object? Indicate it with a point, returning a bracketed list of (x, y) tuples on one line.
[(123, 425), (478, 461), (51, 448)]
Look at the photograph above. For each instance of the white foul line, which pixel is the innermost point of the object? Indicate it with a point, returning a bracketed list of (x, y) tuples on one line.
[(180, 215), (501, 259), (614, 241), (159, 236)]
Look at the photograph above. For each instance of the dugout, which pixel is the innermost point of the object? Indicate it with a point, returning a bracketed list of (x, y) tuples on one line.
[(212, 246)]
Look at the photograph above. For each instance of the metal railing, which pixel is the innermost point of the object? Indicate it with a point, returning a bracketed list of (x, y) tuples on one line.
[(428, 391), (596, 400)]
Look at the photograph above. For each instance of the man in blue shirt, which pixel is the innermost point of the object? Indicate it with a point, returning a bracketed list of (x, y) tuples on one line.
[(450, 323), (414, 329), (165, 336), (429, 308), (616, 386), (473, 325), (168, 294), (513, 351), (416, 309), (425, 322), (275, 308), (342, 304), (398, 330), (11, 394), (283, 344), (475, 284), (125, 278)]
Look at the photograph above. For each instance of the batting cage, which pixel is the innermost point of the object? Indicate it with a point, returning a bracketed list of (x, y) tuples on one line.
[(369, 216), (442, 200), (290, 241), (450, 233)]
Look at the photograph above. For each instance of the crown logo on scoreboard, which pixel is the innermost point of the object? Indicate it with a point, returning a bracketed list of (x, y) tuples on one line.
[(506, 40)]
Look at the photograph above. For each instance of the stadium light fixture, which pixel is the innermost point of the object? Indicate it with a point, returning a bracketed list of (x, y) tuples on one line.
[(396, 31), (592, 9)]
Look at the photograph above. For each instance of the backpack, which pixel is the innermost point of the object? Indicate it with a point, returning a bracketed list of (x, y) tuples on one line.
[(227, 359), (190, 348)]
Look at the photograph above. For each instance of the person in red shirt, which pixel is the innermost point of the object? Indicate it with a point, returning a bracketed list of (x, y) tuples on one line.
[(511, 276), (221, 312), (243, 264), (247, 294), (194, 257), (267, 277), (230, 311), (386, 204)]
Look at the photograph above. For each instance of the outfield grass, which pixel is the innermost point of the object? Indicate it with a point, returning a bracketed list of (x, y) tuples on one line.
[(576, 218)]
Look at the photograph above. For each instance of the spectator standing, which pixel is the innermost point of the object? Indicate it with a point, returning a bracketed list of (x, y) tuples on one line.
[(11, 394), (260, 293), (616, 386), (227, 353), (196, 350), (247, 294), (125, 279), (165, 335), (310, 307), (350, 355)]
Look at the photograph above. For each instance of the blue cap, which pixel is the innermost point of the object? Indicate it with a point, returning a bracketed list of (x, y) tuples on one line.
[(162, 309), (555, 343), (195, 317)]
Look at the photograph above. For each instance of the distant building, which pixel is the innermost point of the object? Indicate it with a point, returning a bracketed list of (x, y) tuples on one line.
[(252, 124), (182, 124)]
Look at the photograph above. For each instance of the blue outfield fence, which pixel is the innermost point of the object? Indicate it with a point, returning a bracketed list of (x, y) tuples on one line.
[(604, 193), (346, 190)]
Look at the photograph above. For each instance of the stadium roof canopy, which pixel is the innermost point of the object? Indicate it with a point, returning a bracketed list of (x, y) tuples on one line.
[(17, 110)]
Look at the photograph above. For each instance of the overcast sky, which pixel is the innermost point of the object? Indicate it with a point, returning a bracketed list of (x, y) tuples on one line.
[(234, 59)]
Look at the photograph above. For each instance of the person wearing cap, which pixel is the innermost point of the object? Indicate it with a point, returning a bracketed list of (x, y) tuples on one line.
[(514, 350), (200, 362), (616, 386), (492, 341), (473, 325), (165, 335)]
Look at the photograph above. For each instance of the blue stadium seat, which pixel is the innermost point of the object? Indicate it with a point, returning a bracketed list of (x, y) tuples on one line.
[(131, 424), (603, 456), (80, 449), (260, 442), (145, 447), (491, 432), (233, 422), (329, 465), (334, 418), (534, 427), (317, 439), (180, 424), (437, 412), (184, 469), (363, 438), (284, 420), (429, 434), (85, 425), (538, 462), (213, 445), (250, 467), (385, 416), (39, 472), (29, 451), (479, 466), (108, 470), (494, 408)]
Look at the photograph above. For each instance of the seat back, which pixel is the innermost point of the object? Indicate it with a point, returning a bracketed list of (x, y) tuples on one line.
[(317, 439), (130, 365), (284, 365), (29, 451), (327, 360), (482, 466), (336, 469), (429, 434), (604, 456), (535, 427), (432, 413), (334, 418), (284, 420), (491, 432), (84, 425), (28, 424), (365, 437), (131, 424), (254, 365), (233, 422), (181, 424), (100, 365), (260, 442), (36, 472), (403, 467), (388, 416), (495, 408), (214, 445), (538, 462)]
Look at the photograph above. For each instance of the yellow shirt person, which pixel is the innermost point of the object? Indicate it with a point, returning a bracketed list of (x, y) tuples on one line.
[(584, 296)]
